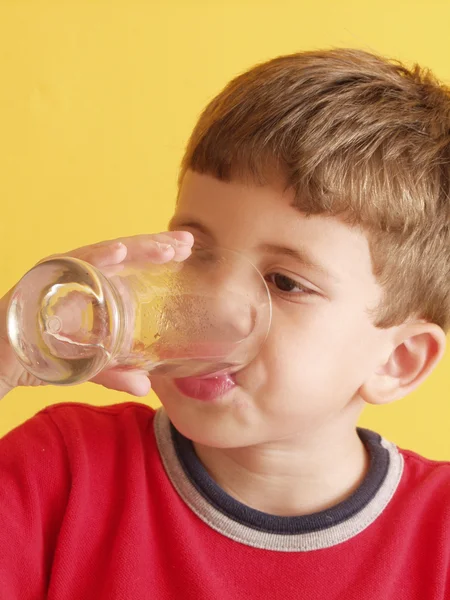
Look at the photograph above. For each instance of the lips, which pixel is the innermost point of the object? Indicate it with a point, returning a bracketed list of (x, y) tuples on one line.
[(205, 389)]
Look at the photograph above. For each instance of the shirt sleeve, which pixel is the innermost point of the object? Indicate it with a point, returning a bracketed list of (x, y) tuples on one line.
[(34, 489)]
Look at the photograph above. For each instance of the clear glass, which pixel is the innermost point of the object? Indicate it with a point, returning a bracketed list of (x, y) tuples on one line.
[(210, 314)]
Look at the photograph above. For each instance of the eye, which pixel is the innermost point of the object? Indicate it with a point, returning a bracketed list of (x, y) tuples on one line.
[(287, 285)]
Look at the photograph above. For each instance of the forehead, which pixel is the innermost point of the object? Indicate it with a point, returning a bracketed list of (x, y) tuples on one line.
[(245, 216)]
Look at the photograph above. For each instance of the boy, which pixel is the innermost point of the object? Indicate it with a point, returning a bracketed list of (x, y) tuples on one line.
[(331, 170)]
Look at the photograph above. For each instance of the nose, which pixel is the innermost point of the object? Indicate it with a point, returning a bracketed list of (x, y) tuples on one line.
[(227, 295), (230, 314)]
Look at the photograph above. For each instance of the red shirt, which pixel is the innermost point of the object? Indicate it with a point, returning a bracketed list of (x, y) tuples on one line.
[(112, 503)]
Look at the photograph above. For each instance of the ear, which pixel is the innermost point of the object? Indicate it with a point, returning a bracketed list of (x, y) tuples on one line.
[(417, 349)]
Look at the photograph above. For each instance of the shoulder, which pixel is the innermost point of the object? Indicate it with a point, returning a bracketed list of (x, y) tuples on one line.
[(427, 479), (118, 410), (423, 466), (77, 427), (116, 439), (96, 430), (88, 414)]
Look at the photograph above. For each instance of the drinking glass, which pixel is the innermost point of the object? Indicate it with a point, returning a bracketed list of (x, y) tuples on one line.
[(208, 315)]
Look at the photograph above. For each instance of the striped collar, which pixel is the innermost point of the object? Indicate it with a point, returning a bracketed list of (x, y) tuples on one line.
[(255, 528)]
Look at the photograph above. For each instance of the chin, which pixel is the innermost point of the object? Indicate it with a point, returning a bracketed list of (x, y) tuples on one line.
[(222, 423), (213, 428)]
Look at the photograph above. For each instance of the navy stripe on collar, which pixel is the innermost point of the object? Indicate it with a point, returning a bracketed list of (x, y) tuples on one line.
[(260, 521)]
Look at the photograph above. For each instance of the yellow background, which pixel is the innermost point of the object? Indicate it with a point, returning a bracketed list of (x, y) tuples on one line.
[(97, 100)]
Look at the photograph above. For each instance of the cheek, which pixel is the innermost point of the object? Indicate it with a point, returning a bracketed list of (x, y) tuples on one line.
[(317, 352)]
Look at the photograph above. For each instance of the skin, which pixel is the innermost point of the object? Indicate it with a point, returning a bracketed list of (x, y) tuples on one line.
[(283, 440)]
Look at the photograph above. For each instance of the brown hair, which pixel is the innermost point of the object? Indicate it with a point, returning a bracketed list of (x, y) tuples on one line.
[(355, 136)]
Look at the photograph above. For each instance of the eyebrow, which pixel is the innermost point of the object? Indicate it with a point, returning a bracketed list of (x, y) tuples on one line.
[(300, 256)]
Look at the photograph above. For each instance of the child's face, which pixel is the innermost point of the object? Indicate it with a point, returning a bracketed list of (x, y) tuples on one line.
[(322, 345)]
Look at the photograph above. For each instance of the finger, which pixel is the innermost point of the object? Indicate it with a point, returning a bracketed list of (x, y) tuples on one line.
[(105, 253), (102, 255), (159, 248), (135, 383), (156, 250), (182, 237), (182, 241)]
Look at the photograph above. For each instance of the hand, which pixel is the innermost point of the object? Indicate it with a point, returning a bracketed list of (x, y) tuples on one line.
[(158, 248)]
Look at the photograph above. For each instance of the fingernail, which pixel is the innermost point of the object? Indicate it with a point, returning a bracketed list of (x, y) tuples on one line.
[(181, 243), (163, 247), (117, 245)]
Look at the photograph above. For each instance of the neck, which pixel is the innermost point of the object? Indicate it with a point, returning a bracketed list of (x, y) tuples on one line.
[(291, 477)]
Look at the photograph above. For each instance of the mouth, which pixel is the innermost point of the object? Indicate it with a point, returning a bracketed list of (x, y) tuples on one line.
[(207, 388)]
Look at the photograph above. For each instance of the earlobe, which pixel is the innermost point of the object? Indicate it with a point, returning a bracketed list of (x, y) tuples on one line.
[(417, 349)]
